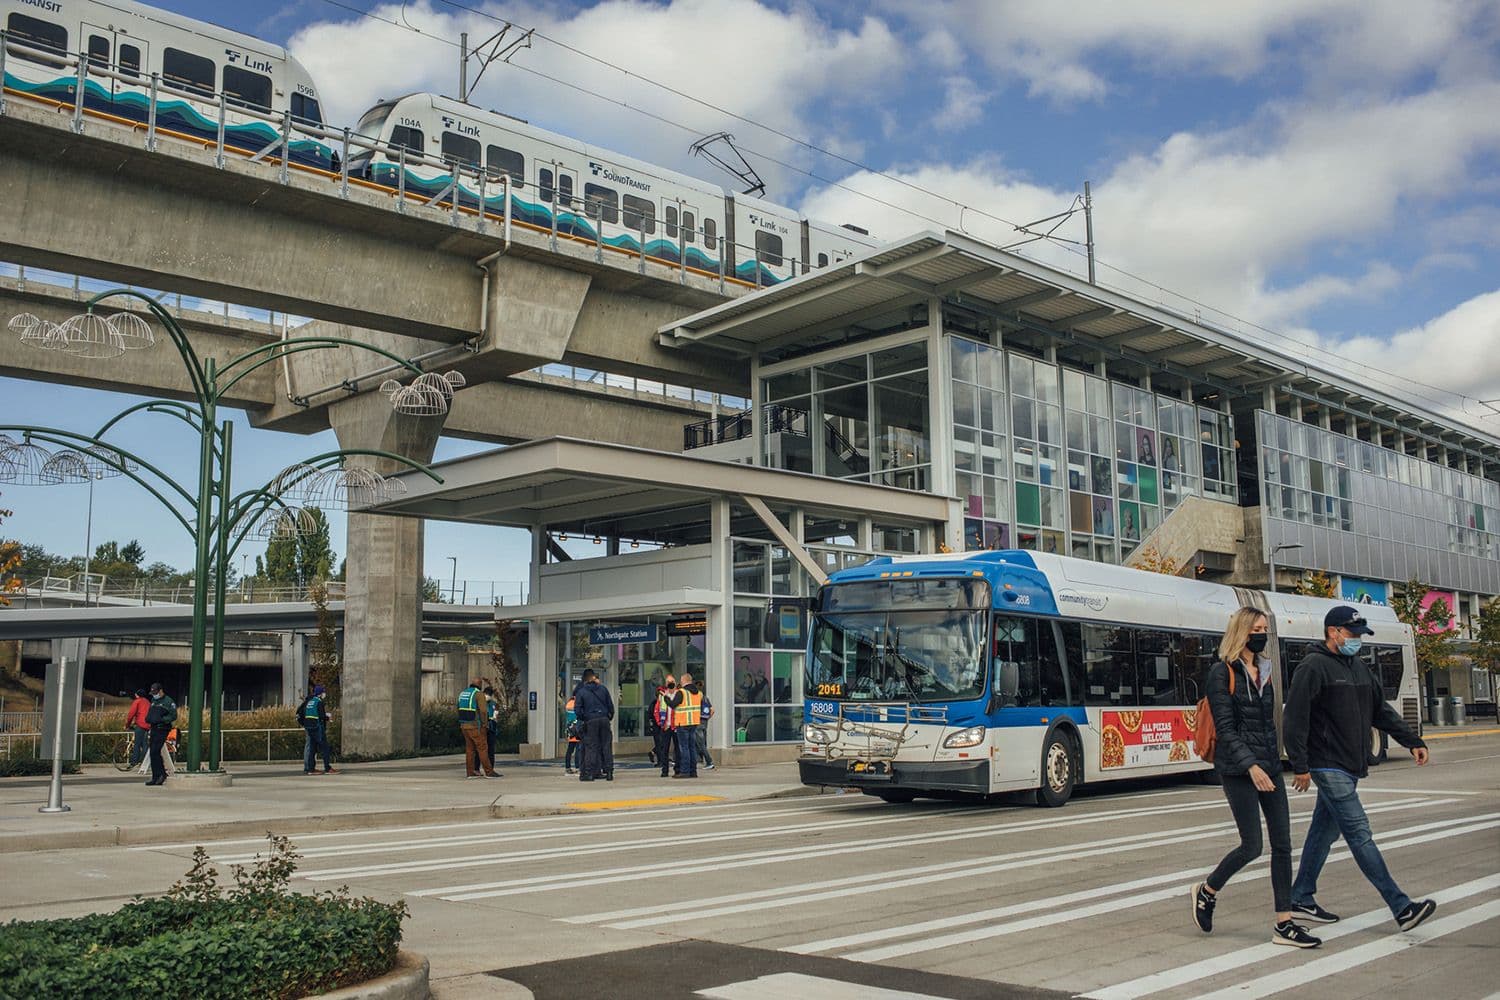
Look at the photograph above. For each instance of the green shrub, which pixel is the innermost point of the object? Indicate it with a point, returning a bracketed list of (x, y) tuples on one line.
[(257, 940)]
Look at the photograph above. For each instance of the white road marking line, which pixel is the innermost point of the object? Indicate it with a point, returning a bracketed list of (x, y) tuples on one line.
[(666, 840), (381, 846), (1306, 972), (514, 886), (1018, 926), (1053, 902), (506, 824), (1241, 957), (1367, 790), (796, 986), (888, 880)]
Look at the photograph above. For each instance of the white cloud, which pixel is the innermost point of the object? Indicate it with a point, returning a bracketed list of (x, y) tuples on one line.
[(963, 103), (787, 69), (1051, 46)]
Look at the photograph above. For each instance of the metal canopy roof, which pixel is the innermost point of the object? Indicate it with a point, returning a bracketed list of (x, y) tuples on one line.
[(1056, 308), (564, 484)]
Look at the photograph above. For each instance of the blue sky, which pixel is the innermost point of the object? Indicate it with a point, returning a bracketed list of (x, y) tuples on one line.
[(1328, 171)]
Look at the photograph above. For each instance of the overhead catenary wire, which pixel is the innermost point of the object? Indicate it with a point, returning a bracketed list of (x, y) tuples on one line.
[(1395, 380)]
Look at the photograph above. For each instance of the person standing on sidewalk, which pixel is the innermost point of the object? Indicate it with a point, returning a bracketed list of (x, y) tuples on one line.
[(700, 735), (664, 720), (314, 719), (492, 723), (595, 710), (686, 716), (1334, 701), (135, 724), (1246, 759), (471, 714), (574, 733), (161, 717)]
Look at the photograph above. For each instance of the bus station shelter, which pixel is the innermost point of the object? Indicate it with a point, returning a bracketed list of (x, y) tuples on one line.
[(645, 563)]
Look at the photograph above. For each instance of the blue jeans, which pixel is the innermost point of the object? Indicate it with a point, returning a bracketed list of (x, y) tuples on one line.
[(138, 748), (1338, 811), (687, 751), (317, 742), (700, 743)]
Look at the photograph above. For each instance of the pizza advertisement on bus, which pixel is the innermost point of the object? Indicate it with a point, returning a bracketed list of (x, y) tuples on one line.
[(1137, 739)]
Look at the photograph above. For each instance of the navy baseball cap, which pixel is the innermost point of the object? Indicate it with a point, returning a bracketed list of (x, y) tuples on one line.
[(1349, 618)]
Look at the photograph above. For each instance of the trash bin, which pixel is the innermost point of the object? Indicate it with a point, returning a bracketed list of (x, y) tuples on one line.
[(1456, 710), (1437, 711)]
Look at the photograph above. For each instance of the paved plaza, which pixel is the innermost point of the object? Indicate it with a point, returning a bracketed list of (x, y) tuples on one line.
[(745, 885)]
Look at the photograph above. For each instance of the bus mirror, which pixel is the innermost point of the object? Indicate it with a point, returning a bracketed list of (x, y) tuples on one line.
[(1007, 680)]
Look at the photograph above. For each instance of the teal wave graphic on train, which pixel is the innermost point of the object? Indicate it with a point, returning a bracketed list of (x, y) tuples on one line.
[(176, 115), (540, 214)]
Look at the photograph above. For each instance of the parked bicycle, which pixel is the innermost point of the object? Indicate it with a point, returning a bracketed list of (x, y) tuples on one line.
[(120, 756)]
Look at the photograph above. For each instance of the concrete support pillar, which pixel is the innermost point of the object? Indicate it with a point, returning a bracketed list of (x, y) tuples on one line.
[(718, 646), (382, 676), (293, 667), (542, 668)]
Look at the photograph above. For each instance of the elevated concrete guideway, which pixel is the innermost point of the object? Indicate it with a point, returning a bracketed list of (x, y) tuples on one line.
[(101, 205)]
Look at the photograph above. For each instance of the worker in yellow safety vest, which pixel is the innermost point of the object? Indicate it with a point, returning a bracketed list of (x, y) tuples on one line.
[(687, 711)]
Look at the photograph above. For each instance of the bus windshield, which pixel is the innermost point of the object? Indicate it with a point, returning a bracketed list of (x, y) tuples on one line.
[(911, 656)]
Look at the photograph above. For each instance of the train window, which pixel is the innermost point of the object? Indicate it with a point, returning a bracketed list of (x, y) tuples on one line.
[(411, 139), (460, 149), (710, 237), (669, 213), (38, 34), (245, 89), (600, 202), (499, 160), (130, 60), (187, 71), (688, 222), (822, 260), (305, 109), (544, 179), (640, 214), (98, 50), (768, 248)]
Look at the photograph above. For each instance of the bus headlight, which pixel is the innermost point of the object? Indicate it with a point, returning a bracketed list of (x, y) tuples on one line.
[(816, 734), (971, 737)]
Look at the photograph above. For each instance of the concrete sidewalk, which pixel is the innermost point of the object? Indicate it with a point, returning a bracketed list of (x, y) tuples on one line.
[(110, 808)]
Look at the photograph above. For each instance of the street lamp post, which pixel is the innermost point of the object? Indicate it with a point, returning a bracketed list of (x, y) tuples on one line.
[(453, 583), (217, 521), (1274, 550)]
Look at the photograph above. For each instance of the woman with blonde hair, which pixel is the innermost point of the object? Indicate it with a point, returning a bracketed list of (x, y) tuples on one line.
[(1242, 699)]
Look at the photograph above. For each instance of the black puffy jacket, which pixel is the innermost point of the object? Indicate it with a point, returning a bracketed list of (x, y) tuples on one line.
[(1245, 721)]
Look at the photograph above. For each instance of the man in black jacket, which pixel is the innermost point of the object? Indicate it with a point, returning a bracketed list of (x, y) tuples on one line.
[(161, 717), (594, 708), (1334, 701)]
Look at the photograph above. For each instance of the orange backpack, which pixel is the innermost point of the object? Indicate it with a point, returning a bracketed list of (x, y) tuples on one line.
[(1204, 735)]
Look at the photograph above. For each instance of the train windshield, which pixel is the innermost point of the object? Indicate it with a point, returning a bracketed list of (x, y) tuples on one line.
[(918, 640)]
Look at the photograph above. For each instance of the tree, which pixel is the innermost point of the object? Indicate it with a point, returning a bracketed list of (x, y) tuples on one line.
[(1432, 626), (281, 561), (1486, 649), (431, 591), (1153, 560), (325, 665), (132, 553), (10, 561), (314, 550), (507, 671), (1316, 583)]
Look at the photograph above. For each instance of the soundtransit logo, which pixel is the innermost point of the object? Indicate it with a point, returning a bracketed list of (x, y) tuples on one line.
[(602, 171)]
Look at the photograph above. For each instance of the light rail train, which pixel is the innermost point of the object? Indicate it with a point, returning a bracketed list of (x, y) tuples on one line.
[(1005, 671), (202, 80)]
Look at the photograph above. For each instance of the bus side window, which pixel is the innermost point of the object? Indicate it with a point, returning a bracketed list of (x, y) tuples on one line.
[(1156, 667), (1028, 668), (1109, 665), (1195, 654)]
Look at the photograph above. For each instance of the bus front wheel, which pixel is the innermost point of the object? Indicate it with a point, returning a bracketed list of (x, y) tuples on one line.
[(1059, 771), (1378, 746)]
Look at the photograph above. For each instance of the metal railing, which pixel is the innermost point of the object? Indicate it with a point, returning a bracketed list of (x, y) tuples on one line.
[(231, 744), (345, 145)]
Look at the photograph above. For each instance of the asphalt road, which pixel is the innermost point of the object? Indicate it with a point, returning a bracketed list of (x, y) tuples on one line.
[(844, 896)]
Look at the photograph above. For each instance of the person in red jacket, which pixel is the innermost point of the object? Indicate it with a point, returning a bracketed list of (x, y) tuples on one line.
[(135, 724)]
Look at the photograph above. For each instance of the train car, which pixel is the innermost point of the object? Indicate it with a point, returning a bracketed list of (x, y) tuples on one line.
[(438, 148), (1003, 671), (126, 44)]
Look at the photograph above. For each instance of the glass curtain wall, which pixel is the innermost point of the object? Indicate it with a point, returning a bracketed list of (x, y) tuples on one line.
[(862, 418), (1366, 510)]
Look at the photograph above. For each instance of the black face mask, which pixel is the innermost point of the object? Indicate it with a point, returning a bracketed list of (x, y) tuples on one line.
[(1257, 643)]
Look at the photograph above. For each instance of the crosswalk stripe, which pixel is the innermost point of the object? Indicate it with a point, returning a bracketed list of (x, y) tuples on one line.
[(1018, 926), (1241, 957), (1302, 974)]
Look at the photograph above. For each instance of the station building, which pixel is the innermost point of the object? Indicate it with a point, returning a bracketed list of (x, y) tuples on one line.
[(940, 394)]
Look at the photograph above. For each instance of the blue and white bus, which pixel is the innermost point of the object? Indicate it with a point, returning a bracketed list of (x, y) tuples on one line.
[(1006, 671)]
